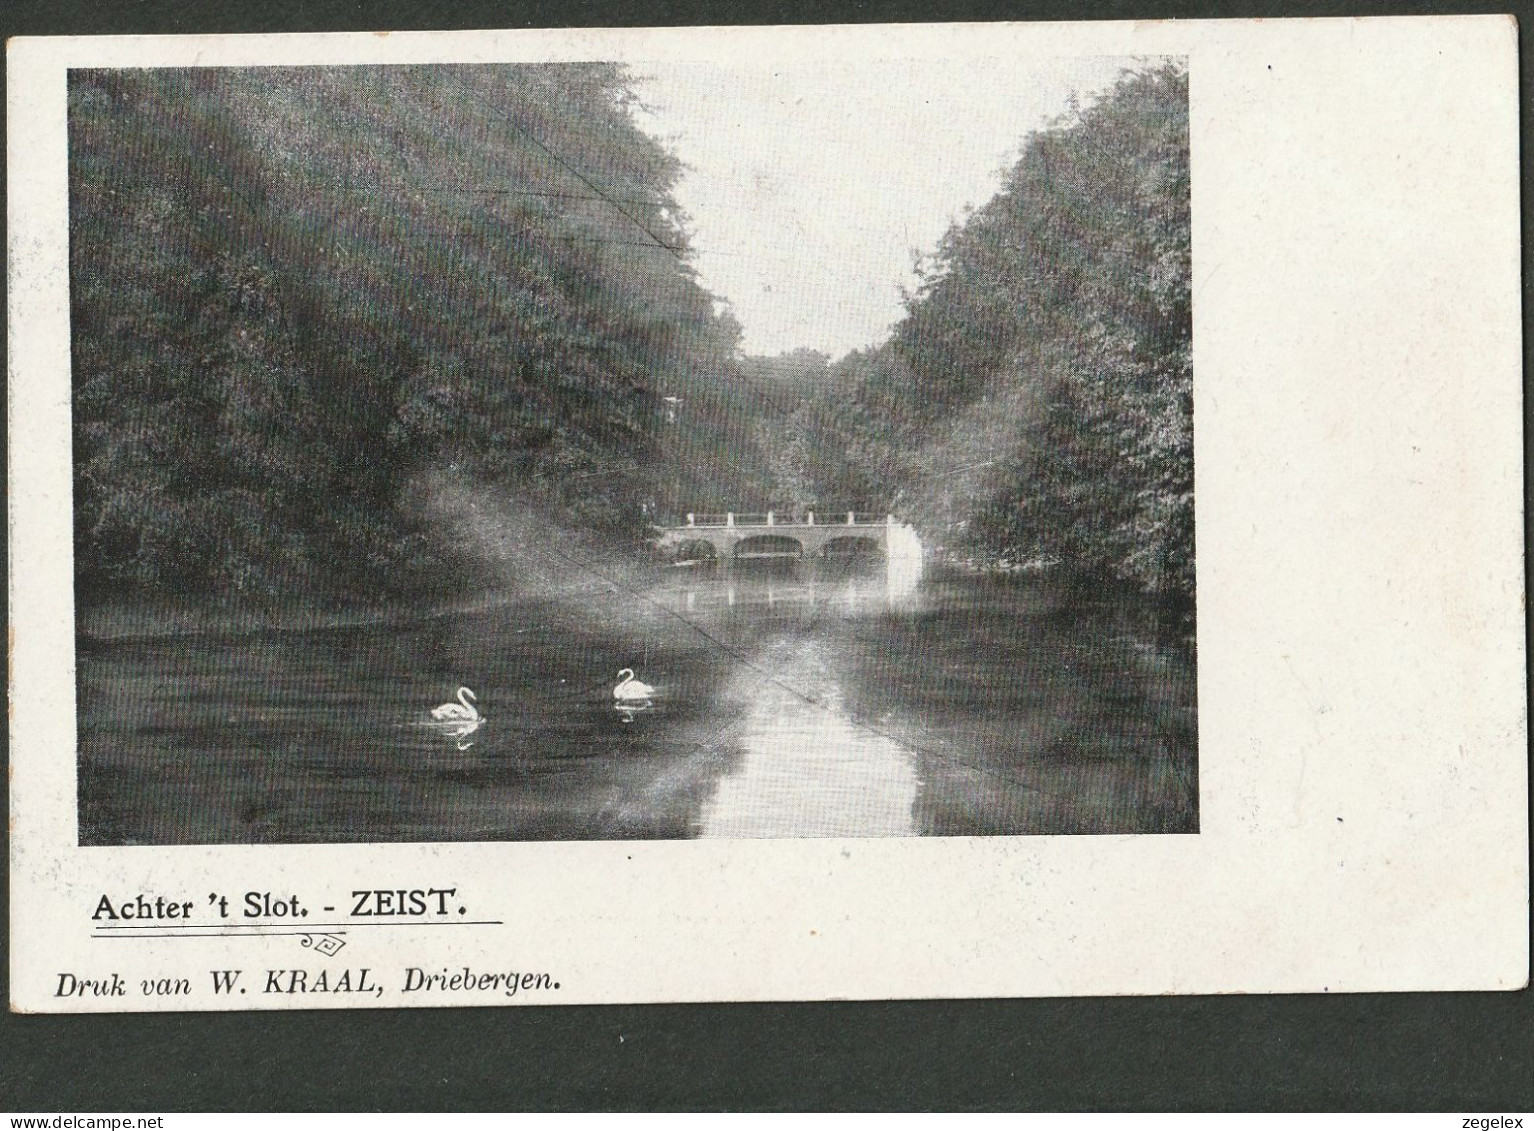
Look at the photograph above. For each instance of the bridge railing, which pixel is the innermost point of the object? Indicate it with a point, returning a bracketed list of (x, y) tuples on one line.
[(786, 518)]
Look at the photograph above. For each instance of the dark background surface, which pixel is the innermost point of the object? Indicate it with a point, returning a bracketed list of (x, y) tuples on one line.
[(1469, 1053)]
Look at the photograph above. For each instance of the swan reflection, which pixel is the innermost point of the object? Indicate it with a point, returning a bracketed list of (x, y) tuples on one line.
[(457, 729), (628, 711)]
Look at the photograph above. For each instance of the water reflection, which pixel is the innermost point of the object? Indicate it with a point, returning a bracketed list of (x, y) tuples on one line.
[(456, 729), (808, 770), (849, 585), (826, 698), (804, 766), (628, 712)]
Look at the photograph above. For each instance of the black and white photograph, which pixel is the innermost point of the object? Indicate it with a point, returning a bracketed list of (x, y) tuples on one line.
[(625, 450), (603, 516)]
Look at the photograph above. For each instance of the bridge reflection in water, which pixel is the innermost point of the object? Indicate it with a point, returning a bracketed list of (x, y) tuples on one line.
[(780, 596)]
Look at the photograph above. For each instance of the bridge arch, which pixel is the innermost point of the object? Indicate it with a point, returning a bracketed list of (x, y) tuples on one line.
[(785, 539), (852, 547), (696, 552), (768, 547)]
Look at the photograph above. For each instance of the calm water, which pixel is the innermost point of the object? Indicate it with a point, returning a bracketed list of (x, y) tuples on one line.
[(800, 703)]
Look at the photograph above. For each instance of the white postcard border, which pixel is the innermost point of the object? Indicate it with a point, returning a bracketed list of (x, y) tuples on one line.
[(1362, 734)]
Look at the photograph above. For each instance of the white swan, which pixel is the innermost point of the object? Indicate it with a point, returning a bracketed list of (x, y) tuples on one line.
[(461, 710), (630, 690)]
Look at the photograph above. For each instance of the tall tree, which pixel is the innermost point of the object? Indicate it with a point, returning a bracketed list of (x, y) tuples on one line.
[(295, 291), (1036, 400)]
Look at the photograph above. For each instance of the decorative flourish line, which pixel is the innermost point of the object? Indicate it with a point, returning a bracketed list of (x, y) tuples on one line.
[(328, 943), (224, 934)]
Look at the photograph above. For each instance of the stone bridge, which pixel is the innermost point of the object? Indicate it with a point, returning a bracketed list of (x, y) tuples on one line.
[(735, 537)]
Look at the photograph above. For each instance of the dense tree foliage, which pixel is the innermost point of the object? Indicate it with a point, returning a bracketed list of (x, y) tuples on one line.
[(296, 291), (1035, 403), (299, 294)]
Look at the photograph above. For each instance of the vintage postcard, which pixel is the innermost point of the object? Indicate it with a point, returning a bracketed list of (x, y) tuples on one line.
[(765, 513)]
